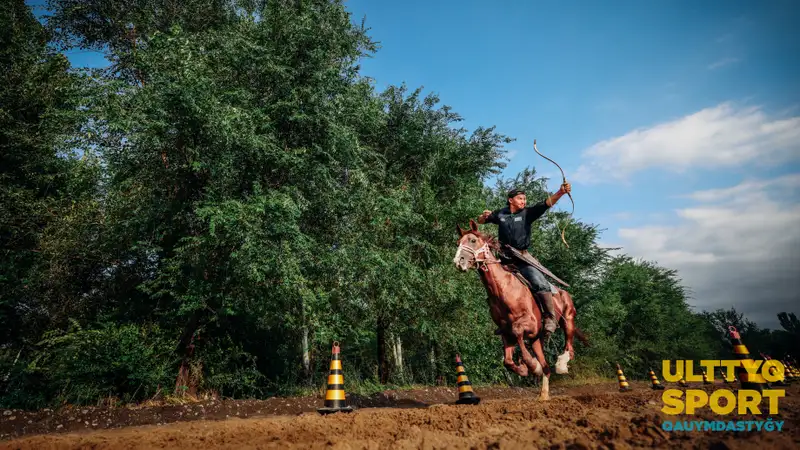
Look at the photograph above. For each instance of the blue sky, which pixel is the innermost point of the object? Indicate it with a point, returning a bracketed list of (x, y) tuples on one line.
[(677, 122), (681, 102), (571, 77)]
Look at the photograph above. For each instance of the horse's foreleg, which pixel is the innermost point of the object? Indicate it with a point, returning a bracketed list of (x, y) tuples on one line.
[(539, 351), (527, 358), (508, 360)]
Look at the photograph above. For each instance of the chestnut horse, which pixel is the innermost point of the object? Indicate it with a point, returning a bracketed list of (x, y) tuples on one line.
[(514, 310)]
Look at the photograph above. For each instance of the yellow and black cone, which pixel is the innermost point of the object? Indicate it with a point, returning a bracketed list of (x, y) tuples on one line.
[(655, 384), (748, 381), (682, 383), (623, 383), (789, 372), (725, 376), (466, 396), (335, 400), (705, 378), (793, 369), (782, 382), (773, 371)]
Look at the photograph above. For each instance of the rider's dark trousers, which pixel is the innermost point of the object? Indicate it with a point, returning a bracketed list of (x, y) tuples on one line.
[(536, 278)]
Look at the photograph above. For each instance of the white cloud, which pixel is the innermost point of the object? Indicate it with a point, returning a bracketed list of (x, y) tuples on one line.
[(722, 63), (718, 137), (740, 247), (750, 190)]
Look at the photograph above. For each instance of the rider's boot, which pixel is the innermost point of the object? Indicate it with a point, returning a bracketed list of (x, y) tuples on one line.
[(548, 313)]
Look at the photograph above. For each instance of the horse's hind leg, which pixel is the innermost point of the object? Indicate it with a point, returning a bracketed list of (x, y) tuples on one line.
[(537, 349), (569, 352), (567, 322)]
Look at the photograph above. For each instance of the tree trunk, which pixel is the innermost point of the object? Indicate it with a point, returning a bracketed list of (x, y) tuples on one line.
[(186, 350), (398, 355), (306, 353), (5, 378), (383, 367), (435, 365), (185, 378)]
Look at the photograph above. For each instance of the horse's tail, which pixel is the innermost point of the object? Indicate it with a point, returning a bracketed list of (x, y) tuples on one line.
[(582, 337)]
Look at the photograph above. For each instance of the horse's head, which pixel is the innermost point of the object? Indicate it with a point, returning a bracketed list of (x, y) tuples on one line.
[(473, 247)]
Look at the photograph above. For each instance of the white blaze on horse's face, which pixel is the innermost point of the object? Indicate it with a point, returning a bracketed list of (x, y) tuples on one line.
[(465, 254), (460, 259)]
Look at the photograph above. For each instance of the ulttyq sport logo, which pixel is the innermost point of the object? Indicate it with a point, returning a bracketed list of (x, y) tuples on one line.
[(753, 375)]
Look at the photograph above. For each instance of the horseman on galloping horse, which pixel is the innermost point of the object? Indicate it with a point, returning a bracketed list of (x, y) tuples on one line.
[(514, 233)]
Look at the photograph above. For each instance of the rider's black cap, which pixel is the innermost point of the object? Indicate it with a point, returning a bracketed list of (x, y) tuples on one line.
[(515, 192)]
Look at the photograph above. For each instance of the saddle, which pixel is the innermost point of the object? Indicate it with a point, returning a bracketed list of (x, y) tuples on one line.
[(514, 270), (527, 258)]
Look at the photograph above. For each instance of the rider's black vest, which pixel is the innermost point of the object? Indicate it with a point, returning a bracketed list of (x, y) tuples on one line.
[(515, 229)]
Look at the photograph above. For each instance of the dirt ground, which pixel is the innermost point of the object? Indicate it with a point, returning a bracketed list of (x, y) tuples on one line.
[(584, 417)]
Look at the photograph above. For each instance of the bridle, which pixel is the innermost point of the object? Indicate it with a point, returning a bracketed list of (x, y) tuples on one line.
[(483, 250)]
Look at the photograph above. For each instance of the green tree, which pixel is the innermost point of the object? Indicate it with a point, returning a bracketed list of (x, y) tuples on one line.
[(40, 180), (638, 316), (242, 197)]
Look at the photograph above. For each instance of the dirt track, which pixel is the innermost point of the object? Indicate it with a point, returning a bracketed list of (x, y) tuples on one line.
[(583, 417)]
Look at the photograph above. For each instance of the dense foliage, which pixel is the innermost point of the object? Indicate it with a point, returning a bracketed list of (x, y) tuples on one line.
[(230, 196)]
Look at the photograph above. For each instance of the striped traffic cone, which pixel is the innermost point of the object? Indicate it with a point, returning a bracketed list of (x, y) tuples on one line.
[(466, 396), (755, 381), (793, 369), (335, 400), (656, 385), (789, 372), (773, 371), (724, 376), (623, 383), (682, 383), (705, 378)]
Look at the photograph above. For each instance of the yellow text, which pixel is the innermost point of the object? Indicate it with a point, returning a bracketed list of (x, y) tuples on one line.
[(744, 401), (685, 369)]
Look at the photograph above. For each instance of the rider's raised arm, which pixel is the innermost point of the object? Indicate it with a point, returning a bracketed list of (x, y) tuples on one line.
[(489, 218), (537, 210)]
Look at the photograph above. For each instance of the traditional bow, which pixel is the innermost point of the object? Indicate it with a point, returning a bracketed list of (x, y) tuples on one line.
[(563, 181)]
